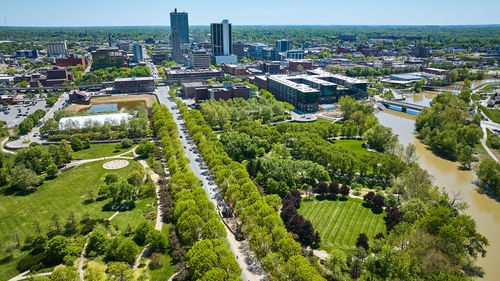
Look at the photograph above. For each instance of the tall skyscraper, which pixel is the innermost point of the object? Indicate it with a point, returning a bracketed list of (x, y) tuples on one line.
[(137, 49), (176, 47), (221, 38), (179, 21)]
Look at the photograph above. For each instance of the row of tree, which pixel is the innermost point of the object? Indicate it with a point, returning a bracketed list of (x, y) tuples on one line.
[(279, 253), (296, 223), (199, 228), (29, 122)]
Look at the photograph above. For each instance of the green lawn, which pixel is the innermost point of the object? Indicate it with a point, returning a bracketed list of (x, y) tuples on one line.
[(134, 216), (339, 223), (475, 97), (58, 196), (353, 145), (493, 114), (99, 150)]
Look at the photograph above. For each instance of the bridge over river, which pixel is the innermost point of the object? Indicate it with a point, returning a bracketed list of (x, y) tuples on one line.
[(403, 105)]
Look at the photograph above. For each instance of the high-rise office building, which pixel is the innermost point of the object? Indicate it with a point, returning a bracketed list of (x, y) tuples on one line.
[(137, 49), (179, 21), (222, 47), (283, 45), (57, 49), (221, 38), (176, 47)]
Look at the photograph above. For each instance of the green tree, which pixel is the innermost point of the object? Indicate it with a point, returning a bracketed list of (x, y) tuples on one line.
[(76, 144), (380, 137), (52, 170), (121, 271), (23, 179), (488, 173), (98, 241), (465, 156), (145, 148), (157, 241), (26, 125), (57, 248), (64, 273), (142, 231)]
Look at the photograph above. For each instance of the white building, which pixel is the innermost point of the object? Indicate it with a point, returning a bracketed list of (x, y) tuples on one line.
[(200, 59), (57, 49), (79, 122)]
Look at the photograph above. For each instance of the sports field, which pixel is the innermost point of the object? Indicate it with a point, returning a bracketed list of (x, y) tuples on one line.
[(340, 222)]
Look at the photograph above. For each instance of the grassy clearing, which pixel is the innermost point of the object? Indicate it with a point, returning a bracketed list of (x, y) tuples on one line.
[(99, 150), (58, 196), (339, 223), (353, 145), (135, 216), (493, 114), (475, 97)]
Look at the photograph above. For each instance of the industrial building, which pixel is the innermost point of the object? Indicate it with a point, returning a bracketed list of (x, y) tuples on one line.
[(72, 60)]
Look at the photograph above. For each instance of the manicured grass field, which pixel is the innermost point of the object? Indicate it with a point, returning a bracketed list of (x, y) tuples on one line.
[(168, 267), (489, 87), (99, 150), (353, 145), (493, 114), (339, 223), (59, 196)]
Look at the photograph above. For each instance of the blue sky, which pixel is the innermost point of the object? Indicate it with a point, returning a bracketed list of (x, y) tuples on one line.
[(249, 12)]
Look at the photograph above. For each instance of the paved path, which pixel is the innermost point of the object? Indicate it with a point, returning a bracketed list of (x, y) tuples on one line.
[(251, 268), (483, 143), (25, 275), (3, 148)]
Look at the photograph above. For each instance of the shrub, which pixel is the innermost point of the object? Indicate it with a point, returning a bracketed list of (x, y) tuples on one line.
[(126, 143), (31, 262), (156, 261)]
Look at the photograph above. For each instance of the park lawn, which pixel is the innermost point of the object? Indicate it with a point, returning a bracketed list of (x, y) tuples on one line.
[(353, 145), (59, 196), (493, 114), (99, 150), (339, 223), (475, 97), (135, 216)]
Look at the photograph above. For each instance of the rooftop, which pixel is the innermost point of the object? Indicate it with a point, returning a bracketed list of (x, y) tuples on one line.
[(88, 121)]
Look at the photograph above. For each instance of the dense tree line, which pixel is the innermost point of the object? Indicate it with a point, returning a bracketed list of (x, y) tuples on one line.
[(199, 229), (448, 128), (264, 108), (279, 253), (110, 73)]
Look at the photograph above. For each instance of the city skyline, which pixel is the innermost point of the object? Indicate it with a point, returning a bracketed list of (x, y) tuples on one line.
[(316, 12)]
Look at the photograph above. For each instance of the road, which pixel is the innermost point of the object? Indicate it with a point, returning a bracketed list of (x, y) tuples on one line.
[(251, 269), (34, 135)]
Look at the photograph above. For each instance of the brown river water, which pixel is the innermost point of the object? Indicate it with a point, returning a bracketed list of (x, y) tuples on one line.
[(484, 210)]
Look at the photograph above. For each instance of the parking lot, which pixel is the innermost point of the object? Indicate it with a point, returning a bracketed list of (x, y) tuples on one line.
[(14, 114)]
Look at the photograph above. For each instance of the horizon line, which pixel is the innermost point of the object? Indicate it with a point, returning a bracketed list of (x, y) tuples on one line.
[(253, 25)]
